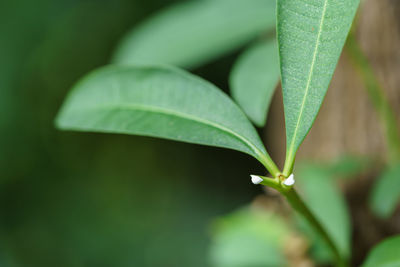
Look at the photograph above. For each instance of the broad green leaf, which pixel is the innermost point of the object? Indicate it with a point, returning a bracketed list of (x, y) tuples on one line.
[(191, 33), (327, 203), (311, 35), (160, 102), (385, 254), (248, 237), (254, 78), (386, 193)]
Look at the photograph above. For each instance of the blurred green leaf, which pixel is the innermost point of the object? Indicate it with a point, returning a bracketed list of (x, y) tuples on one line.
[(319, 250), (249, 237), (348, 166), (254, 78), (385, 194), (327, 203), (310, 37), (345, 166), (385, 254), (94, 195), (160, 102), (191, 33)]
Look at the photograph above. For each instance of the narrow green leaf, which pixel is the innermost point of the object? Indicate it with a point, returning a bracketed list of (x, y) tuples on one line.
[(386, 192), (249, 237), (327, 203), (254, 78), (161, 102), (385, 254), (191, 33), (311, 35)]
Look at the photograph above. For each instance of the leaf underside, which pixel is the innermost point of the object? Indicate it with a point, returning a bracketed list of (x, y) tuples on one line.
[(254, 78), (160, 102), (191, 33), (311, 35)]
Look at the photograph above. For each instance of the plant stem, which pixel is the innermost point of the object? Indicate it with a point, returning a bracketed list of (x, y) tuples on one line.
[(301, 207), (377, 96), (270, 165), (298, 204), (289, 163)]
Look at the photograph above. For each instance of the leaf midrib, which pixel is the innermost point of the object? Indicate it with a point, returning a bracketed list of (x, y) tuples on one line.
[(153, 109), (291, 148)]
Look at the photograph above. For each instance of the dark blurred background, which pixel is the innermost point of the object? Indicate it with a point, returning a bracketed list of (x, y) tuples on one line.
[(79, 199), (84, 199)]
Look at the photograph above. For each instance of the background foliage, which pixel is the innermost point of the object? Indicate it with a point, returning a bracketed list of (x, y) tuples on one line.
[(70, 199)]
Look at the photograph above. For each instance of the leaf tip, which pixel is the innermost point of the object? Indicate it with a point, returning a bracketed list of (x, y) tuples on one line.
[(58, 122), (259, 122)]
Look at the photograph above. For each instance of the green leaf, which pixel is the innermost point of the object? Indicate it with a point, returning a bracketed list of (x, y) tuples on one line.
[(386, 192), (385, 254), (349, 166), (254, 78), (161, 102), (345, 166), (191, 33), (327, 203), (248, 237), (319, 250), (311, 35)]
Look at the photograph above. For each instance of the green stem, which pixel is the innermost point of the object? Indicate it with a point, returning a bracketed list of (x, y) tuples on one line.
[(298, 204), (377, 97), (269, 164), (271, 182), (289, 163)]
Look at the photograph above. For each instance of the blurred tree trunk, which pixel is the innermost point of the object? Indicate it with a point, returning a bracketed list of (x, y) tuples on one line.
[(348, 123)]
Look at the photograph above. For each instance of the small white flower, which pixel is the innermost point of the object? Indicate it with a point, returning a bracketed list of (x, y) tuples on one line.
[(289, 181), (256, 179)]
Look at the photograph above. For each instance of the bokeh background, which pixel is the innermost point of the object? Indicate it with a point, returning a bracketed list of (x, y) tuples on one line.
[(84, 199), (73, 199)]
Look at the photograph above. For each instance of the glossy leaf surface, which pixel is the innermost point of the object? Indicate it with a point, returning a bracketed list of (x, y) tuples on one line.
[(160, 102), (254, 78), (311, 35), (191, 33)]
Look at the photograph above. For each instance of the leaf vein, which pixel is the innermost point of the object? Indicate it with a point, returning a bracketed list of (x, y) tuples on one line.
[(309, 76), (188, 117)]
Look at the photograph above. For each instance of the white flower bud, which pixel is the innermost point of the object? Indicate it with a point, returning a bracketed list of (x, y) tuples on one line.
[(256, 179), (289, 181)]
